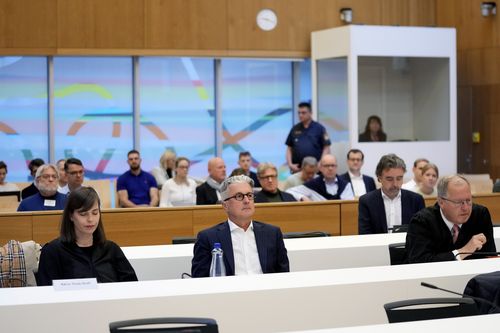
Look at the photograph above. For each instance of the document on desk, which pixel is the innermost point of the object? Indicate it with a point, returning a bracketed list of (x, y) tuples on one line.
[(74, 284)]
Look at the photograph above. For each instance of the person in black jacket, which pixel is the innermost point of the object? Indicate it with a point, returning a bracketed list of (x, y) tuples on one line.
[(82, 251), (268, 176), (453, 229)]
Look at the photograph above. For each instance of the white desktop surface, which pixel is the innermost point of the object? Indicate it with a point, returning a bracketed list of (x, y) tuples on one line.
[(274, 302)]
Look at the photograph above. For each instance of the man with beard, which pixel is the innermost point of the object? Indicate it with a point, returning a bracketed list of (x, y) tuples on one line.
[(46, 180), (136, 187), (389, 206)]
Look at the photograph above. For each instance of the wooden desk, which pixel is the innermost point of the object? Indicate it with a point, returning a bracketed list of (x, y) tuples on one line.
[(275, 302)]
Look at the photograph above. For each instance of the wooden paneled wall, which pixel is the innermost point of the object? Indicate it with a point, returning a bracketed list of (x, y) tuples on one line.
[(187, 27), (478, 41)]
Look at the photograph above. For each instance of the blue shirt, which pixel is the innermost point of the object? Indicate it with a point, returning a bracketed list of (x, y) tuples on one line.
[(307, 141), (137, 187), (37, 202)]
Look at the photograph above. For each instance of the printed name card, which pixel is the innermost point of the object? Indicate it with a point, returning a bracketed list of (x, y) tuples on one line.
[(75, 284)]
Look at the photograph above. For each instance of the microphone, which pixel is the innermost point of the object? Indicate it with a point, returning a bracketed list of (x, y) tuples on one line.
[(480, 299)]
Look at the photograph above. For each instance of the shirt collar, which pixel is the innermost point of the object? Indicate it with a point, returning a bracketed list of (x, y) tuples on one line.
[(385, 197), (233, 226), (448, 223), (352, 176), (330, 182)]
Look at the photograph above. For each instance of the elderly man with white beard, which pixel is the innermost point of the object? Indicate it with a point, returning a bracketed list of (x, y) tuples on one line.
[(46, 180)]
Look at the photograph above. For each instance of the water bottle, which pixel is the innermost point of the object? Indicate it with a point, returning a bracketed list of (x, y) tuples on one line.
[(217, 267)]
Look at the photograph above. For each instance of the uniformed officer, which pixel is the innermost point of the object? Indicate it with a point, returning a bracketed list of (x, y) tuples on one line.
[(307, 138)]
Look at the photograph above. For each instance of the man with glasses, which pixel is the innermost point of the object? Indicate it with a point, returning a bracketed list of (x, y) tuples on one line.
[(390, 206), (453, 229), (360, 184), (75, 174), (268, 176), (328, 186), (249, 247), (46, 180), (307, 138)]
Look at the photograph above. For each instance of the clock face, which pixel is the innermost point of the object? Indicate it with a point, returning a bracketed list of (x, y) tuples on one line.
[(267, 19)]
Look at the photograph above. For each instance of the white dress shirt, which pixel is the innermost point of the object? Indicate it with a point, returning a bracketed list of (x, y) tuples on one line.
[(246, 256), (392, 210), (332, 187), (173, 194), (409, 185), (358, 185)]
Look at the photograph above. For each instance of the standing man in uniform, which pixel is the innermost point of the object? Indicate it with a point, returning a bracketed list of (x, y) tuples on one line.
[(307, 138)]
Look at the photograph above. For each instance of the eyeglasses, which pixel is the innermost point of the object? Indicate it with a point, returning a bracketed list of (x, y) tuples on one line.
[(49, 176), (240, 196), (329, 165), (467, 202), (270, 177)]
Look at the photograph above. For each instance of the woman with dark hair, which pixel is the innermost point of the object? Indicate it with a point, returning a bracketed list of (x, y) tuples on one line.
[(373, 130), (82, 251)]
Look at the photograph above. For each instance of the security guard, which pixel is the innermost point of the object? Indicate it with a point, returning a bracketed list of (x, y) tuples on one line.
[(307, 138)]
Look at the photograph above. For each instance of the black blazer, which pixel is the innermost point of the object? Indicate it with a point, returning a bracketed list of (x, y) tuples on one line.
[(429, 239), (371, 211), (318, 184), (285, 197), (205, 195), (369, 182), (272, 252)]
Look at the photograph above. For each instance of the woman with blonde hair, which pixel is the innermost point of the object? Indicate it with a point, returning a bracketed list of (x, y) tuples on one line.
[(165, 170), (430, 175)]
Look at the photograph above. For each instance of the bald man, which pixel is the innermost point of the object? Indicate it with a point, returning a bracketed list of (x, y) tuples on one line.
[(208, 193)]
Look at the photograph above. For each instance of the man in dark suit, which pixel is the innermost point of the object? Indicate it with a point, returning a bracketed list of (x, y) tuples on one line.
[(361, 184), (208, 193), (380, 210), (329, 186), (249, 247), (453, 229), (268, 175)]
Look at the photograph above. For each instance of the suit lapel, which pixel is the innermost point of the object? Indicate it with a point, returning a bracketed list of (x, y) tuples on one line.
[(260, 240), (381, 211), (224, 236)]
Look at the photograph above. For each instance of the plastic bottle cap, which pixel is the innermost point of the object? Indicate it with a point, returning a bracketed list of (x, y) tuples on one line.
[(217, 246)]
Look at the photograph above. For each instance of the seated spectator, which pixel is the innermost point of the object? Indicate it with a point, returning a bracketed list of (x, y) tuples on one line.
[(75, 174), (208, 193), (418, 165), (361, 184), (427, 187), (308, 170), (5, 186), (328, 186), (180, 190), (380, 210), (136, 187), (165, 170), (63, 178), (268, 176), (453, 229), (245, 161), (373, 131), (32, 166), (82, 250), (250, 247), (47, 198)]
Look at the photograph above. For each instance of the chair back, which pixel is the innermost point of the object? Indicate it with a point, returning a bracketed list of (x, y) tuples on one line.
[(170, 325), (397, 253), (430, 308)]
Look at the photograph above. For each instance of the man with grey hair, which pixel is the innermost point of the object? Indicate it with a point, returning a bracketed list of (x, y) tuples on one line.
[(453, 229), (381, 210), (249, 247), (308, 170), (268, 177), (46, 180)]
